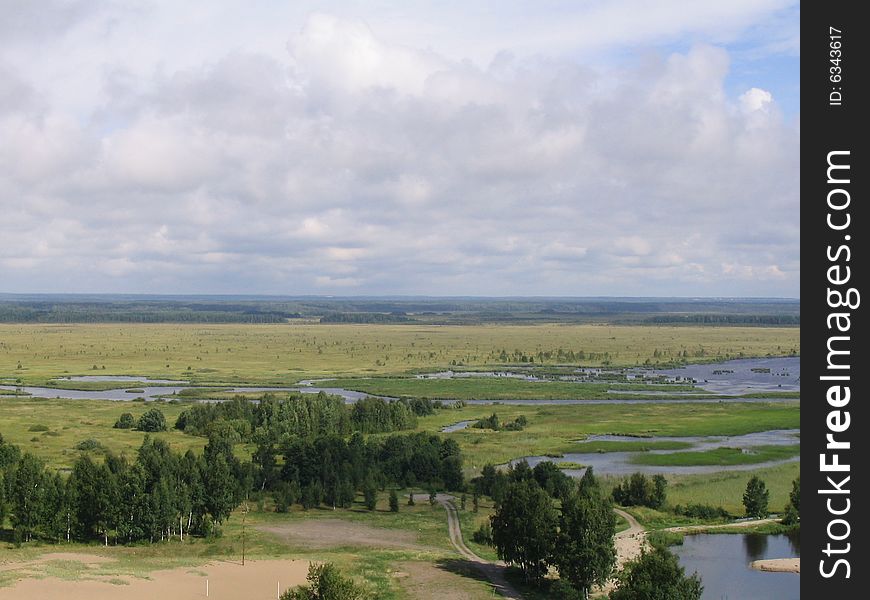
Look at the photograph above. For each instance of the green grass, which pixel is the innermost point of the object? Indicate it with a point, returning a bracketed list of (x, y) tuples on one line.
[(554, 429), (631, 446), (726, 488), (570, 464), (720, 456), (72, 421), (285, 353), (489, 388)]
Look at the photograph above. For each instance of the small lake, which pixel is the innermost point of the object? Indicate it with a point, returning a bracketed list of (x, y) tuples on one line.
[(457, 426), (722, 561), (620, 463)]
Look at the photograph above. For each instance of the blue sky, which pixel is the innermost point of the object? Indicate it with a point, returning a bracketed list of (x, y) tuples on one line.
[(626, 147)]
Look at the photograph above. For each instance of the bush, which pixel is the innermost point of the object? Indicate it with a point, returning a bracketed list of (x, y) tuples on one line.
[(89, 444), (702, 511), (483, 535), (152, 420), (325, 582), (38, 427), (125, 421)]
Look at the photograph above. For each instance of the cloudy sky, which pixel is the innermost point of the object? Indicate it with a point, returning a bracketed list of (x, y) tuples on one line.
[(601, 147)]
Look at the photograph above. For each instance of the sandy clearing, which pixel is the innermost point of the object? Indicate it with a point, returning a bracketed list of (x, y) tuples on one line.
[(257, 580), (337, 533), (778, 565), (426, 581), (629, 542)]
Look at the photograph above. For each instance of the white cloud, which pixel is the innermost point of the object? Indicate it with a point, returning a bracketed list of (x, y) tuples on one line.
[(347, 160)]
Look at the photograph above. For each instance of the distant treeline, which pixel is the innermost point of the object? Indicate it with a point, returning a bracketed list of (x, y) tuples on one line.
[(365, 318), (112, 313), (726, 319), (460, 311), (303, 415)]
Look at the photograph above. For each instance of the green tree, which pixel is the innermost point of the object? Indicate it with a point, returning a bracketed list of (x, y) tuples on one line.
[(792, 514), (27, 491), (524, 528), (585, 553), (657, 575), (394, 501), (370, 495), (219, 484), (325, 582), (659, 492), (151, 420), (755, 498), (125, 421), (795, 494)]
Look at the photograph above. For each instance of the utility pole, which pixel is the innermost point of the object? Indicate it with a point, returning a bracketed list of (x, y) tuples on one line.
[(244, 515)]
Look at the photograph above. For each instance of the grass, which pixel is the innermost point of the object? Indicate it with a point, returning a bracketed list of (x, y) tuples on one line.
[(570, 464), (726, 488), (285, 353), (631, 446), (724, 456), (554, 429), (66, 423), (489, 388)]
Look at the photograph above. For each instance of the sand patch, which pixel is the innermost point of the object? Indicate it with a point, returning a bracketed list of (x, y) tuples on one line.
[(336, 533), (257, 580), (426, 581), (778, 565)]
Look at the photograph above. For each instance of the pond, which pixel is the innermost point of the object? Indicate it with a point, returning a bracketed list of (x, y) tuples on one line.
[(742, 376), (722, 561)]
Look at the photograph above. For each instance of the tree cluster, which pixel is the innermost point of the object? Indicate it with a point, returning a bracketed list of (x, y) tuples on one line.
[(330, 469), (640, 490), (492, 422), (301, 415), (159, 495), (576, 539)]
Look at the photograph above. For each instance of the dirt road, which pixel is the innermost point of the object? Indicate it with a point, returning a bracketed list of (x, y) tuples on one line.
[(492, 571)]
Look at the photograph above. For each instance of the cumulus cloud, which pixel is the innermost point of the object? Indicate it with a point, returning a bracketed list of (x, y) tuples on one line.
[(350, 163)]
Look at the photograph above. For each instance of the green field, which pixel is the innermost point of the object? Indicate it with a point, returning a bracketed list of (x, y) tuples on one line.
[(491, 388), (285, 353), (555, 429)]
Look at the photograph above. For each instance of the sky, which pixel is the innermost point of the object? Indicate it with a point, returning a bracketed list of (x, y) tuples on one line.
[(539, 148)]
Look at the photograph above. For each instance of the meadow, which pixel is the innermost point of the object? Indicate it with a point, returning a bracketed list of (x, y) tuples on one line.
[(285, 353)]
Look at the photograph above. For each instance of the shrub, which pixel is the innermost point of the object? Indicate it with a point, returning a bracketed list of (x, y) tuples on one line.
[(38, 427), (125, 421), (483, 535), (89, 444)]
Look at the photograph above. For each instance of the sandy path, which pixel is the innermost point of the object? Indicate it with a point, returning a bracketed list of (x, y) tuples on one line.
[(257, 580), (778, 565), (492, 571), (629, 542)]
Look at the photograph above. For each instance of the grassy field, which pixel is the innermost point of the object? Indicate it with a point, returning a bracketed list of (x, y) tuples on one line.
[(555, 429), (726, 488), (720, 456), (287, 352), (489, 388), (69, 422)]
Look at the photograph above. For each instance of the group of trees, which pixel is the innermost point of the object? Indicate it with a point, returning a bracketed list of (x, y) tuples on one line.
[(152, 420), (162, 494), (529, 531), (492, 422), (640, 490), (330, 469), (158, 495), (274, 418)]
